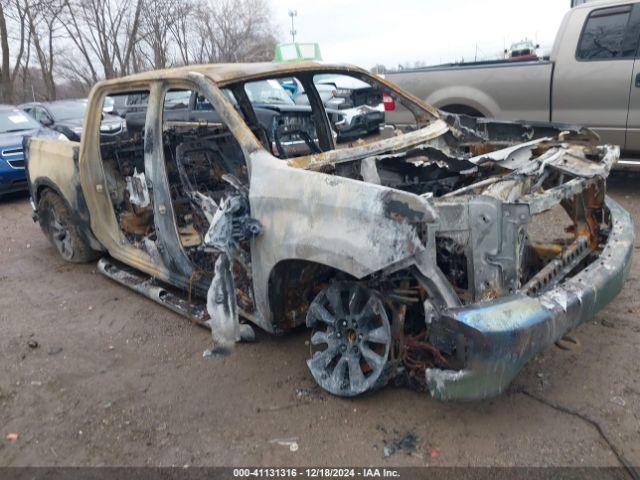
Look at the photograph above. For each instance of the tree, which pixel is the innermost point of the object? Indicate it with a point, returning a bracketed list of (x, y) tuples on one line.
[(164, 23), (105, 33), (182, 32), (83, 41), (235, 31), (11, 12), (43, 21)]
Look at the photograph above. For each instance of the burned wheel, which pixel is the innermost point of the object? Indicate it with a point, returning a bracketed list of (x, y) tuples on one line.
[(55, 220), (350, 321)]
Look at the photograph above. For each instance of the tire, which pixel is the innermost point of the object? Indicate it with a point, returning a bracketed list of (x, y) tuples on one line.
[(56, 223)]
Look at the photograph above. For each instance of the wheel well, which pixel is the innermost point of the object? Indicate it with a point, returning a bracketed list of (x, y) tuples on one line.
[(82, 224), (293, 284), (459, 109), (40, 191)]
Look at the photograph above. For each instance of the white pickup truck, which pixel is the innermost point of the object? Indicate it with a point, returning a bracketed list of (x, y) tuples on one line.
[(591, 78)]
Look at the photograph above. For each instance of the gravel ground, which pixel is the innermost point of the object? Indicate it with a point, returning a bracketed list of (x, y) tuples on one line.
[(115, 379)]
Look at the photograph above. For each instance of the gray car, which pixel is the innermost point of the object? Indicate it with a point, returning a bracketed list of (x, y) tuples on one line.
[(67, 117)]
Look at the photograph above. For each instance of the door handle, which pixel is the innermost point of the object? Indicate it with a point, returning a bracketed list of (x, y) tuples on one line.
[(638, 80)]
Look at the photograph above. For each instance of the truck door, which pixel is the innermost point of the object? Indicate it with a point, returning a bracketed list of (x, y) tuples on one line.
[(591, 82), (632, 141)]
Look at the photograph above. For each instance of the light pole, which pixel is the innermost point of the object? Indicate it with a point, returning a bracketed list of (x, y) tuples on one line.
[(293, 13)]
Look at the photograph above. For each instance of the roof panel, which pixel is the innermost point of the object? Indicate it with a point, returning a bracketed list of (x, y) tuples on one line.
[(225, 73)]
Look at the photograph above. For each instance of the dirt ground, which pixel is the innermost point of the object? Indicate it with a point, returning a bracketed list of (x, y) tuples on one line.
[(118, 380)]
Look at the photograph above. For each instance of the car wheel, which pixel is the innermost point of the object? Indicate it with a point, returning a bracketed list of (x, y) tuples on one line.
[(56, 223), (352, 322)]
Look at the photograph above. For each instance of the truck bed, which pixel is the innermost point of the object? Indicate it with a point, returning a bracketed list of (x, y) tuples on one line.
[(50, 164), (504, 89)]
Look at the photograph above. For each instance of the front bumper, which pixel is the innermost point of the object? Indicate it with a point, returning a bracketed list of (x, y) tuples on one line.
[(504, 334), (12, 179)]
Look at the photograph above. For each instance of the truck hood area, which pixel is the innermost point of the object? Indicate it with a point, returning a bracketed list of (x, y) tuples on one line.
[(465, 155), (520, 213)]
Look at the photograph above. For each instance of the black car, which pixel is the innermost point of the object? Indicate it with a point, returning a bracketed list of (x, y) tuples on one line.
[(67, 117)]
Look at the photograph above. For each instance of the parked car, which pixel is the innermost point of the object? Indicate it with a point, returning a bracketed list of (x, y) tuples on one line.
[(592, 78), (138, 102), (524, 50), (66, 117), (422, 256), (354, 107), (14, 126)]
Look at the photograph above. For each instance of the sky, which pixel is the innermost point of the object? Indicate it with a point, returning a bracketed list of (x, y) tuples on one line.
[(393, 32)]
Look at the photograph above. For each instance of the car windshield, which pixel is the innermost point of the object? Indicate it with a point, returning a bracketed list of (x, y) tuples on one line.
[(268, 92), (67, 110), (15, 120)]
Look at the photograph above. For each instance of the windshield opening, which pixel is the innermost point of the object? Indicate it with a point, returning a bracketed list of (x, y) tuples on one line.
[(358, 108)]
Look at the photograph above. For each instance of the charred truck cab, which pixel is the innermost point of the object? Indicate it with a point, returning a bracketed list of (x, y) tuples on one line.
[(442, 253)]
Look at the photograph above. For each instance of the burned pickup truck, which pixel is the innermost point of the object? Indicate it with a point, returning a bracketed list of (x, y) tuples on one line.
[(443, 253)]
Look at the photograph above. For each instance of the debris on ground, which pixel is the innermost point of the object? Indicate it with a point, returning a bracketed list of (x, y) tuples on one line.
[(618, 401), (542, 379), (607, 323), (292, 443), (33, 344), (308, 394), (12, 437), (407, 443), (568, 343), (303, 393)]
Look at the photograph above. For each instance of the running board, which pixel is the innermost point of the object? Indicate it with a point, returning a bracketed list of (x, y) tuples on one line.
[(150, 288)]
